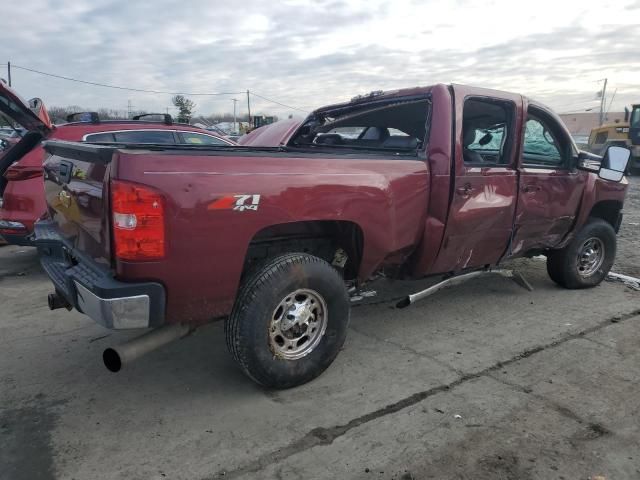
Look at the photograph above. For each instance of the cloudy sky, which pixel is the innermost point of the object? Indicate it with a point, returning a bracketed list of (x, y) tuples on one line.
[(307, 54)]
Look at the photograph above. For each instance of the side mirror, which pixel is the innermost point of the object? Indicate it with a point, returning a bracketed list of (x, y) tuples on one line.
[(614, 163), (3, 144)]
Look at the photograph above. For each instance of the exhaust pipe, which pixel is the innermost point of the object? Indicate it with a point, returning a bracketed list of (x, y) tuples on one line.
[(115, 358), (56, 301)]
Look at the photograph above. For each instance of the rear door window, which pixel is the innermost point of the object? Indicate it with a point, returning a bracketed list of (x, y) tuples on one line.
[(193, 138), (164, 137), (106, 137), (486, 131)]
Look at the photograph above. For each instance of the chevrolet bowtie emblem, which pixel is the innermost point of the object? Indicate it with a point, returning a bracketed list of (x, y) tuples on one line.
[(65, 198)]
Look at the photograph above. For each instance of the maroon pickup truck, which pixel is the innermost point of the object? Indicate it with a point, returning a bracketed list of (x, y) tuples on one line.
[(441, 180)]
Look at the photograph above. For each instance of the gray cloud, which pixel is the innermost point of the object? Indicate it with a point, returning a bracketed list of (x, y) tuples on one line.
[(210, 46)]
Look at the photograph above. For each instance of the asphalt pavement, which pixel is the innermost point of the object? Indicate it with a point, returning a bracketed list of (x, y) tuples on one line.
[(483, 380)]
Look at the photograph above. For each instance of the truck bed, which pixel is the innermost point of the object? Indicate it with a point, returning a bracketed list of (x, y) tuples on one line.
[(220, 200)]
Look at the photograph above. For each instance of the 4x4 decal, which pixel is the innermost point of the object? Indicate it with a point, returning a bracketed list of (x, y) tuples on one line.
[(239, 203)]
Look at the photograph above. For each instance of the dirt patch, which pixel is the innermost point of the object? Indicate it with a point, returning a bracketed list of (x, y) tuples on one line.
[(506, 465), (25, 440)]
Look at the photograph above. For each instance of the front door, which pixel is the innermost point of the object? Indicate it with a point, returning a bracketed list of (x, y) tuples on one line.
[(550, 187), (482, 207)]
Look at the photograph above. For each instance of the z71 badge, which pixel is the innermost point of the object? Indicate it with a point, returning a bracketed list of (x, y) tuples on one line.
[(239, 203)]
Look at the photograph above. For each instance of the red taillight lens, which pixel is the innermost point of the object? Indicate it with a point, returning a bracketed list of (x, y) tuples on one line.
[(18, 172), (138, 221)]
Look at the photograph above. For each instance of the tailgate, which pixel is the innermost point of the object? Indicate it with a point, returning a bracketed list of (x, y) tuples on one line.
[(76, 179)]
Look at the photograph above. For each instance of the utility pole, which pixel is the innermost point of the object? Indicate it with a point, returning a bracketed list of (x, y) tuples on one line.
[(129, 107), (602, 101), (235, 126), (9, 72), (249, 109)]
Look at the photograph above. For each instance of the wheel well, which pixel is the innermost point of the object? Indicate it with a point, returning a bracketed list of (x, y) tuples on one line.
[(321, 238), (607, 210)]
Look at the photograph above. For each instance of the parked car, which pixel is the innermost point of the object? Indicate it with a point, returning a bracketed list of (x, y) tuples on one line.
[(445, 181), (22, 199), (9, 137)]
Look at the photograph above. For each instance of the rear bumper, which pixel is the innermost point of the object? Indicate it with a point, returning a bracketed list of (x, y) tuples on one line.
[(21, 239), (91, 289), (16, 232)]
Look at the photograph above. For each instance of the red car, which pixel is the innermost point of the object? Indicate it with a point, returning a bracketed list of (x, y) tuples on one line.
[(22, 199)]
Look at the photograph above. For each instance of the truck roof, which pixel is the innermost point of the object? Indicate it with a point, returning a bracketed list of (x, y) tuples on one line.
[(405, 92)]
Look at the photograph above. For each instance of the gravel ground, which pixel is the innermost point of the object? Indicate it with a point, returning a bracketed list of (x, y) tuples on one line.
[(628, 255), (482, 381)]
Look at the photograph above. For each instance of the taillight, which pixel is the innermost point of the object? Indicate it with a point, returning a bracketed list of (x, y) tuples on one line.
[(138, 221), (18, 172)]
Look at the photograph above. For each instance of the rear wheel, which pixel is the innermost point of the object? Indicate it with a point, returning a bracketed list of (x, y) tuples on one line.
[(586, 261), (289, 321)]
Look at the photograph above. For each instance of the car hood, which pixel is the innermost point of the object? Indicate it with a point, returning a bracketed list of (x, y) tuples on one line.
[(31, 115), (272, 135)]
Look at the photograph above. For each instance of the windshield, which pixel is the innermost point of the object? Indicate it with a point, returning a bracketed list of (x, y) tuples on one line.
[(635, 117)]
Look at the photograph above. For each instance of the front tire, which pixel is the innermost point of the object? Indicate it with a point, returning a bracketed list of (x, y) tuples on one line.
[(289, 321), (586, 261)]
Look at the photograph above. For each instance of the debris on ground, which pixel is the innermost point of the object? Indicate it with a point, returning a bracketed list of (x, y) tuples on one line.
[(631, 282), (364, 294)]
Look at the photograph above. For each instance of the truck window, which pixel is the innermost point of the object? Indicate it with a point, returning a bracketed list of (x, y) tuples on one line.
[(601, 137), (106, 137), (193, 138), (486, 126), (394, 124), (543, 143), (635, 117), (164, 137)]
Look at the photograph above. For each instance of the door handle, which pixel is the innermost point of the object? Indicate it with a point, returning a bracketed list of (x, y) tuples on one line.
[(531, 188), (465, 190)]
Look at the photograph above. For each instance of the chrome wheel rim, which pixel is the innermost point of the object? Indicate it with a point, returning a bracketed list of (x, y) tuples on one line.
[(590, 256), (298, 324)]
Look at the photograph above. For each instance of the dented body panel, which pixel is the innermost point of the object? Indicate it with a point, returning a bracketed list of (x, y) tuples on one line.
[(425, 214)]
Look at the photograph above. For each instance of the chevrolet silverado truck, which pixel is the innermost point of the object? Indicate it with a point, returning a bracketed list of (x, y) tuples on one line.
[(446, 181)]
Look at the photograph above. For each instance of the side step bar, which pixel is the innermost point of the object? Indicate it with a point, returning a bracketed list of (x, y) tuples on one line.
[(458, 279)]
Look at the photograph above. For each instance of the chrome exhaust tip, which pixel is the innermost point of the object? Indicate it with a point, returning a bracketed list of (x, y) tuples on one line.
[(115, 358)]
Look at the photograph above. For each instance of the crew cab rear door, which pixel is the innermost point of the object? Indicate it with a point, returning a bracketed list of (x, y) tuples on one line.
[(483, 201), (550, 186)]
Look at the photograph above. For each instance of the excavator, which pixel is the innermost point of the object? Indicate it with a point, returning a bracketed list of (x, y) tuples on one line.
[(622, 134)]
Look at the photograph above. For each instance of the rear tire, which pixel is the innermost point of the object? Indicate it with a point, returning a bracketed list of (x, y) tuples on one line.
[(289, 321), (586, 261)]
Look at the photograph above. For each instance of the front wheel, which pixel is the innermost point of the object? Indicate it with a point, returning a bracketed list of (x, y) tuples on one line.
[(586, 261), (289, 321)]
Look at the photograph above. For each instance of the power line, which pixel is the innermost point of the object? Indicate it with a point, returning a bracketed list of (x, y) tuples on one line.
[(131, 89), (278, 103), (120, 87)]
